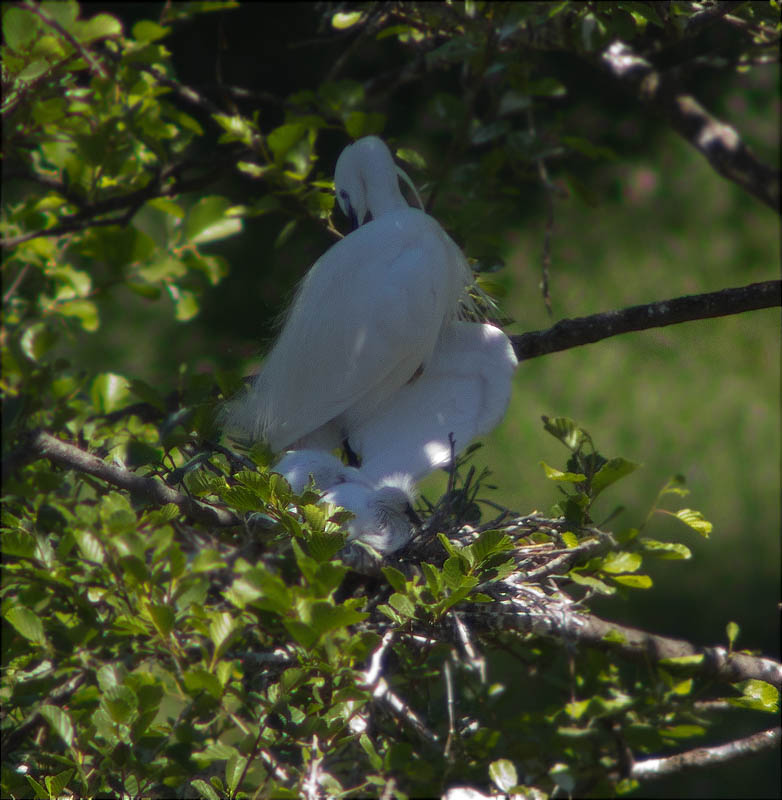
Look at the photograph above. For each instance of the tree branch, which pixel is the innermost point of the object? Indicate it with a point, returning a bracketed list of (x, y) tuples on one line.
[(706, 756), (718, 142), (529, 611), (570, 333), (38, 444)]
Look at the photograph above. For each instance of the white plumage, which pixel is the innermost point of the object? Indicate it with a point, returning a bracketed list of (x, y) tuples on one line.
[(365, 320), (383, 515), (325, 468), (464, 392), (383, 511)]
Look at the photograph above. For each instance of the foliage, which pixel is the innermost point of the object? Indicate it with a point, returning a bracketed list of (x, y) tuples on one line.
[(148, 654)]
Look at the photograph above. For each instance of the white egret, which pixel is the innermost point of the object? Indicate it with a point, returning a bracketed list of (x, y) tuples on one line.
[(463, 392), (383, 512), (365, 320), (384, 515), (325, 468)]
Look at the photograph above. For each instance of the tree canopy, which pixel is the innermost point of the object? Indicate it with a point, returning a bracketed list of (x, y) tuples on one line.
[(176, 622)]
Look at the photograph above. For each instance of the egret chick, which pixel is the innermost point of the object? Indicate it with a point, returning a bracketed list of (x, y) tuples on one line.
[(326, 470), (384, 515), (365, 320)]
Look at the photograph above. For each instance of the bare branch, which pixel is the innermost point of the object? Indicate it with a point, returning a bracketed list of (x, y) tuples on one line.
[(39, 444), (570, 333), (717, 141), (709, 15), (529, 610), (706, 756)]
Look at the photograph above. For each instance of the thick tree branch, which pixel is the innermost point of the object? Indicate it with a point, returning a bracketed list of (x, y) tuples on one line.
[(718, 142), (39, 444), (529, 611), (706, 756), (570, 333)]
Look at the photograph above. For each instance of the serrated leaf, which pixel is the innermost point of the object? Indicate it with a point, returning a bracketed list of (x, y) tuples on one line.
[(402, 604), (565, 430), (665, 550), (205, 790), (695, 520)]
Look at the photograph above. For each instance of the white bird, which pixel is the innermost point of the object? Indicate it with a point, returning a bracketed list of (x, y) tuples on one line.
[(384, 515), (383, 512), (365, 320), (463, 392), (326, 470)]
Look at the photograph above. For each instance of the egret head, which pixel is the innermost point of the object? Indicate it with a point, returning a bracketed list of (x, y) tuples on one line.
[(366, 181)]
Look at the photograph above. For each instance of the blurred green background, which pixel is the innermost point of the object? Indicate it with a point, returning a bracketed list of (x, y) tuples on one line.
[(701, 399)]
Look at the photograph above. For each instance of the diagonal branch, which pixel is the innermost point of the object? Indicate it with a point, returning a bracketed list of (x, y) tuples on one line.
[(39, 444), (569, 333), (706, 756), (718, 142)]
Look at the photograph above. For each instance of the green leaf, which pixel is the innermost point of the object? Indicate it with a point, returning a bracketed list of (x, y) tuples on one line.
[(613, 470), (120, 703), (395, 578), (221, 627), (40, 792), (665, 550), (757, 695), (162, 618), (60, 722), (621, 562), (503, 774), (84, 310), (56, 783), (147, 31), (695, 520), (209, 220), (100, 26), (361, 123), (557, 475), (38, 340), (402, 604), (109, 392), (565, 430), (633, 581), (27, 623), (199, 680), (205, 790), (732, 631), (592, 583), (18, 543)]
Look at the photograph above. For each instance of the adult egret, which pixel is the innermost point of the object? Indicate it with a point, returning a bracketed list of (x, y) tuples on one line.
[(463, 392), (365, 319), (384, 515)]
